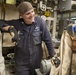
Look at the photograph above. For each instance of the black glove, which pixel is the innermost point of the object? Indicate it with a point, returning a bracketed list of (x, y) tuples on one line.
[(55, 61), (16, 36)]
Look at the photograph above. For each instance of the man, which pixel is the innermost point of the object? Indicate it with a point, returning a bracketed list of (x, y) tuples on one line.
[(32, 31)]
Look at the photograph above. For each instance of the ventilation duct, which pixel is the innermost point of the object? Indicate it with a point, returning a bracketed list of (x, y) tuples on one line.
[(11, 1)]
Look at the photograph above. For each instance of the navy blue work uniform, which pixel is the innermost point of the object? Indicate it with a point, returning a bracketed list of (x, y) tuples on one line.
[(28, 53)]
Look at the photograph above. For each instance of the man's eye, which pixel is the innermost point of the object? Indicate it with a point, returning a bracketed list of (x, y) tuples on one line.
[(27, 13)]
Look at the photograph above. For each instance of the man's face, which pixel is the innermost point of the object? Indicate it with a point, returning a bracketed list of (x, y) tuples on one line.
[(29, 16)]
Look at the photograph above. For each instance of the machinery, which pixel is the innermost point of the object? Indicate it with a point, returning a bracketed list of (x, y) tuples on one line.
[(45, 67), (65, 5)]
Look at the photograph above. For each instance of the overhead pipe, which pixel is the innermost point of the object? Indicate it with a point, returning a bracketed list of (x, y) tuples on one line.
[(3, 9)]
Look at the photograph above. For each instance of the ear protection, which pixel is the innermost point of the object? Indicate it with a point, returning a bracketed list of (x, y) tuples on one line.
[(71, 29), (74, 28)]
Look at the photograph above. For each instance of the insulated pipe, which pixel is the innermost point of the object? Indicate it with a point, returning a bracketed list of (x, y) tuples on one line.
[(2, 65), (3, 9), (54, 25)]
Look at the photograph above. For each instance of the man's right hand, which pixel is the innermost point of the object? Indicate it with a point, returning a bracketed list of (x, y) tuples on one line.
[(13, 33)]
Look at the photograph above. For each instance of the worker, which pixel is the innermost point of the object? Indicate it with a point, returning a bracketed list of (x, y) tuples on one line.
[(32, 31)]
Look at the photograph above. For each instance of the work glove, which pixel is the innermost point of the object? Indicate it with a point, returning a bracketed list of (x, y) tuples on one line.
[(55, 61), (14, 34)]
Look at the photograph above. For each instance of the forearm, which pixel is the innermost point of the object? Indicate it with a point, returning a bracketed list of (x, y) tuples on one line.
[(5, 28), (12, 32), (4, 25), (8, 26)]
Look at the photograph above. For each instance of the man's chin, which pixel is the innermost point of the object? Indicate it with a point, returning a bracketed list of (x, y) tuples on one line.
[(31, 21)]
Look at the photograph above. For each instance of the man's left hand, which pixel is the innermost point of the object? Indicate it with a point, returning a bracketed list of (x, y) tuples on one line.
[(55, 61)]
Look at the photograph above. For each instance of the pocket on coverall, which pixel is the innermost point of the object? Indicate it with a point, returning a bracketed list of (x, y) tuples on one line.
[(21, 41), (37, 37)]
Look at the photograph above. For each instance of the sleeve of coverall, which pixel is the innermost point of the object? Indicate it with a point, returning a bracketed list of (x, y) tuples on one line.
[(47, 39), (2, 24)]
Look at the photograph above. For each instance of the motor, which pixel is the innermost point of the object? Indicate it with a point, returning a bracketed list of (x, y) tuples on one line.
[(45, 66)]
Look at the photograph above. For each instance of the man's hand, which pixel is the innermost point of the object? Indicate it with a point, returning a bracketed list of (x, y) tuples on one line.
[(13, 33), (55, 61)]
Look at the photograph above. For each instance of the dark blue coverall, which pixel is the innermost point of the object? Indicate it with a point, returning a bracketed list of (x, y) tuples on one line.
[(28, 52)]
